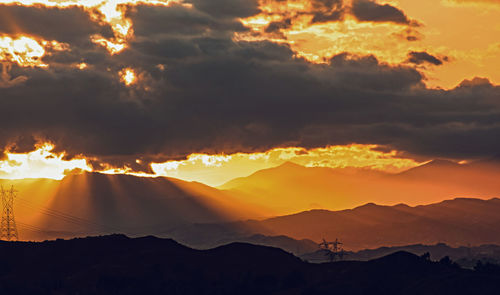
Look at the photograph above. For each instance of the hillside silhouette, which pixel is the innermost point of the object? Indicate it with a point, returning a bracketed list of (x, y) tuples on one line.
[(467, 257), (120, 265)]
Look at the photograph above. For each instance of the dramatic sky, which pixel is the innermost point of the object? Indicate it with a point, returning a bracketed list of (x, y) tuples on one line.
[(172, 87)]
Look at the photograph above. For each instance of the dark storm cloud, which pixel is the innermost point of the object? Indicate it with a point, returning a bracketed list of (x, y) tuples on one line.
[(215, 94), (279, 25), (178, 20), (327, 10), (370, 11), (420, 57), (64, 25), (227, 8)]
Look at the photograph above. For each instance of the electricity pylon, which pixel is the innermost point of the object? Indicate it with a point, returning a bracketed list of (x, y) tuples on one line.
[(333, 250), (9, 229)]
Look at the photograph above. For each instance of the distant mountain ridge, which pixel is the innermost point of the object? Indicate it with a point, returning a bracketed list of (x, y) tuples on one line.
[(201, 216), (458, 222), (291, 188), (455, 222)]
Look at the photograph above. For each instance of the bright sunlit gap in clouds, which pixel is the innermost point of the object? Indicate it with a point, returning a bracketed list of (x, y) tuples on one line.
[(128, 76), (212, 170), (26, 51), (40, 163), (215, 170)]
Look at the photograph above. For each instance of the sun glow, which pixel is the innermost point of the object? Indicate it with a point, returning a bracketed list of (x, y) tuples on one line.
[(22, 50), (128, 76), (40, 163), (27, 51)]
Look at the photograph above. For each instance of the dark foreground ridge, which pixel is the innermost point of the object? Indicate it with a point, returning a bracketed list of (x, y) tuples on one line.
[(117, 264)]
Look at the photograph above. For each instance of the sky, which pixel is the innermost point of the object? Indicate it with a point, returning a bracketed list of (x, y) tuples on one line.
[(209, 90)]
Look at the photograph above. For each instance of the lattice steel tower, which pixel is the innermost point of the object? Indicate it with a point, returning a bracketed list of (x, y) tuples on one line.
[(9, 229)]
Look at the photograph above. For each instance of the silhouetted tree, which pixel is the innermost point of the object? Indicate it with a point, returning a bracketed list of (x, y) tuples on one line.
[(426, 256), (446, 261), (487, 267)]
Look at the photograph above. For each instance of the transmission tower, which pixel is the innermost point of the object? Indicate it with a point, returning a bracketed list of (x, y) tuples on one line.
[(9, 229), (333, 250)]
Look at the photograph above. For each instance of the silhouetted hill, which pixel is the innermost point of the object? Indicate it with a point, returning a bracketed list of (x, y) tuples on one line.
[(210, 235), (464, 256), (120, 265)]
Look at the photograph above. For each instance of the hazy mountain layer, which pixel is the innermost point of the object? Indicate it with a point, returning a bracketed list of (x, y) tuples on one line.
[(456, 222), (292, 188), (93, 203)]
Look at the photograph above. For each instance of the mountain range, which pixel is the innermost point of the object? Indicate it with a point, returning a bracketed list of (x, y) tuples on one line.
[(272, 207), (291, 188), (457, 222)]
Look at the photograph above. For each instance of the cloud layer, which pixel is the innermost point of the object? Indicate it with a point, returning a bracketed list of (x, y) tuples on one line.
[(201, 90)]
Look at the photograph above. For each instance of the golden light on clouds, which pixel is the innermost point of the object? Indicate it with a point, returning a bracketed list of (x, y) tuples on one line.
[(217, 169), (127, 76), (82, 66), (40, 163), (441, 34), (212, 170), (109, 12), (22, 50), (292, 22)]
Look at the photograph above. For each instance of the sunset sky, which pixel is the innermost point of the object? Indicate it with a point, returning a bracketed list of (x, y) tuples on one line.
[(210, 90)]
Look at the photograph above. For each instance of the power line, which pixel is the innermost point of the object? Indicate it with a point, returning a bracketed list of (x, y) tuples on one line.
[(85, 223), (31, 228), (64, 216)]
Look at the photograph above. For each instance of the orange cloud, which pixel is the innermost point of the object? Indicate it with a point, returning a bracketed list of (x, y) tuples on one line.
[(413, 29), (296, 23)]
